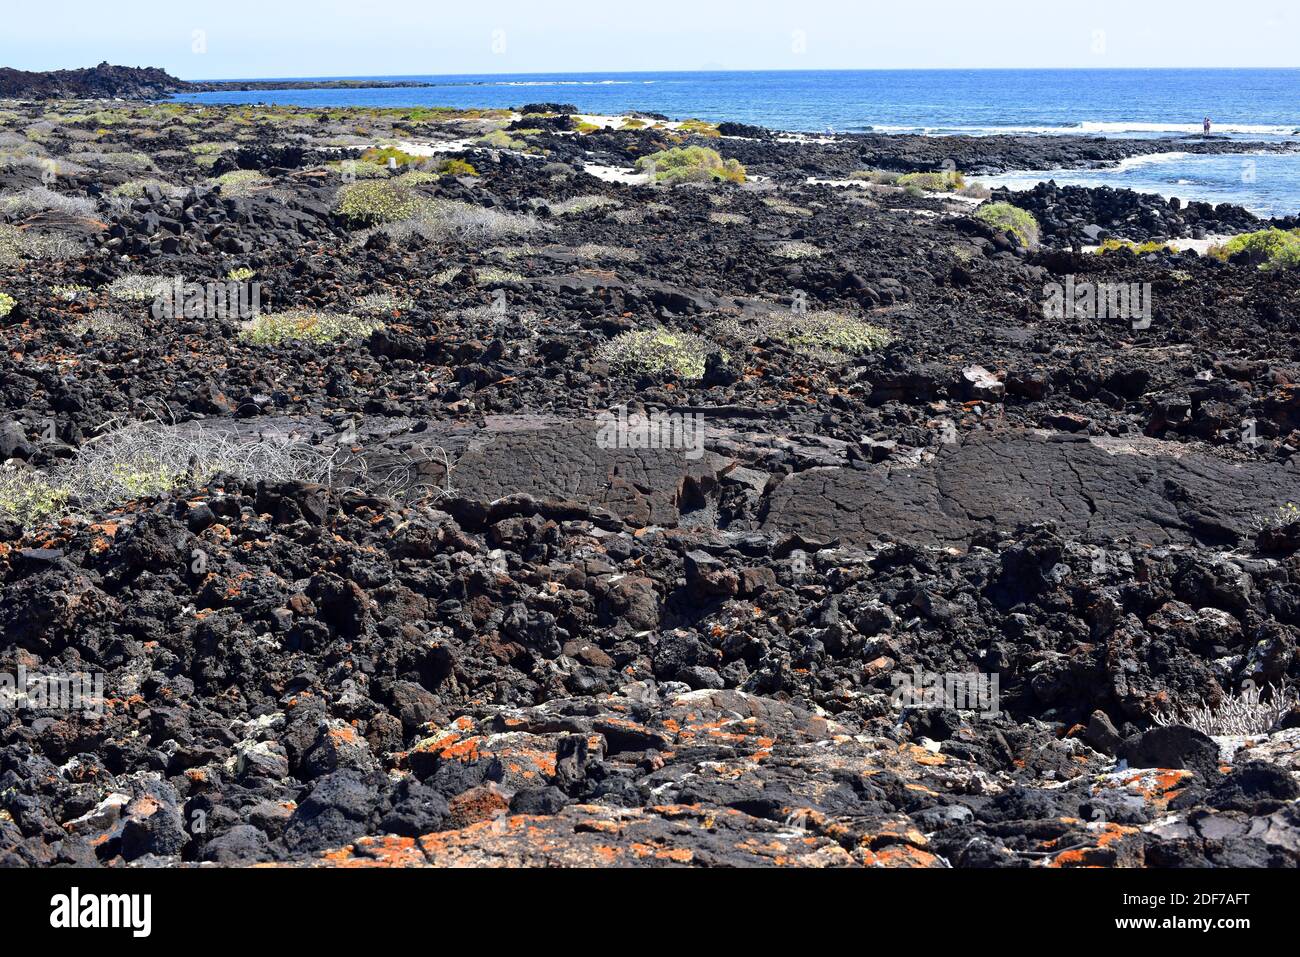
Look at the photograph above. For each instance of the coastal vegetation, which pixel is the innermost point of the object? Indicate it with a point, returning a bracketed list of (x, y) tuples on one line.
[(946, 181), (1267, 248), (691, 164), (1010, 219), (827, 336), (374, 202), (1138, 249), (305, 325), (656, 351)]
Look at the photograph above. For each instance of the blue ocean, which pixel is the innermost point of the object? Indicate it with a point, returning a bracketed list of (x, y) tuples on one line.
[(1246, 106)]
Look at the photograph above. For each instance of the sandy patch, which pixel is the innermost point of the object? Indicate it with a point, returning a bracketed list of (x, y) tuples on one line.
[(615, 174)]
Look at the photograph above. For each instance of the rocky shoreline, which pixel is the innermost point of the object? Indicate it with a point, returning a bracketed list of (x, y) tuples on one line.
[(493, 627)]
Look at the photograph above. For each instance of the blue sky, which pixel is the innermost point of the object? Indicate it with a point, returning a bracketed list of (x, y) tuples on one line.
[(258, 38)]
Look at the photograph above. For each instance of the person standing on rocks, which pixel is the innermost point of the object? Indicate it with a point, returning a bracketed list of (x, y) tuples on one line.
[(1207, 126)]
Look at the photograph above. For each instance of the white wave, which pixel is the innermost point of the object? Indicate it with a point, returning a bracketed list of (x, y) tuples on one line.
[(566, 82), (1085, 128), (1138, 126)]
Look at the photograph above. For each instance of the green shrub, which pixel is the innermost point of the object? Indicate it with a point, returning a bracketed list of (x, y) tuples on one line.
[(27, 496), (212, 149), (1006, 218), (795, 249), (105, 324), (1269, 248), (139, 287), (374, 202), (134, 189), (691, 164), (940, 182), (7, 304), (728, 219), (578, 204), (879, 177), (501, 140), (242, 274), (381, 304), (829, 336), (381, 155), (1138, 249), (825, 333), (699, 128), (305, 325), (632, 123), (241, 182), (357, 169), (418, 177), (69, 292), (658, 351), (456, 167)]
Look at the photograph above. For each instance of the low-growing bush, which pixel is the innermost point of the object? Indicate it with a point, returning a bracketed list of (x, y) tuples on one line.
[(501, 140), (879, 177), (436, 219), (691, 164), (135, 188), (577, 204), (69, 292), (375, 202), (947, 181), (1268, 248), (28, 496), (457, 167), (16, 244), (305, 325), (381, 155), (1139, 249), (212, 149), (495, 275), (145, 460), (1006, 218), (828, 336), (351, 170), (1243, 714), (241, 182), (795, 249), (124, 160), (728, 219), (786, 208), (40, 199), (381, 304), (242, 274), (7, 304), (699, 128), (105, 324), (656, 351), (139, 287)]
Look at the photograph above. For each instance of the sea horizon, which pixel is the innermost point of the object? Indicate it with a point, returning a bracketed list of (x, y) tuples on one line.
[(1254, 105)]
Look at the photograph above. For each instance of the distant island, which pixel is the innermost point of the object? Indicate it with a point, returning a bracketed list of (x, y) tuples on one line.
[(107, 81), (99, 82)]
